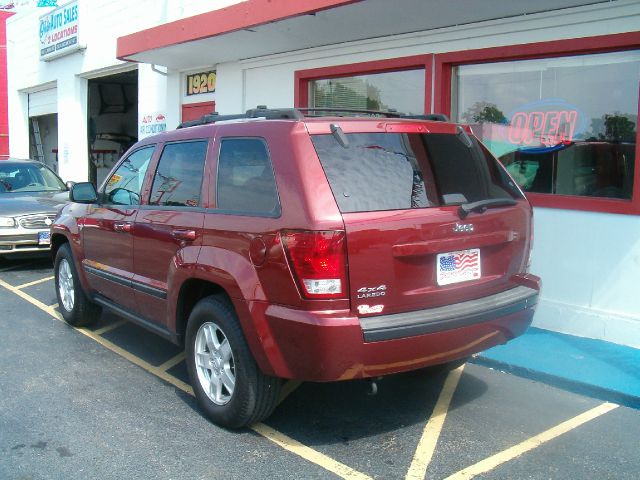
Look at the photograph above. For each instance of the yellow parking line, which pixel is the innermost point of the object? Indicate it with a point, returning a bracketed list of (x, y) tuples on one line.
[(533, 442), (108, 328), (30, 299), (54, 305), (35, 282), (102, 341), (307, 453), (138, 361), (289, 444), (431, 433), (172, 362)]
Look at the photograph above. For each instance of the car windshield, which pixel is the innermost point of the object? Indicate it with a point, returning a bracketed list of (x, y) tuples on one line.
[(28, 177)]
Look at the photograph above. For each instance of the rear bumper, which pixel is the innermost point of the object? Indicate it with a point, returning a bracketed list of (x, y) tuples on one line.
[(433, 320), (329, 346)]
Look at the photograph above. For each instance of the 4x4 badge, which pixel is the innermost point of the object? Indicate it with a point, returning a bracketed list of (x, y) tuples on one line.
[(463, 227), (370, 292)]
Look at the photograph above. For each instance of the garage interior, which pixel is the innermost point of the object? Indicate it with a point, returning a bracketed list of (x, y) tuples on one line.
[(43, 139), (112, 120)]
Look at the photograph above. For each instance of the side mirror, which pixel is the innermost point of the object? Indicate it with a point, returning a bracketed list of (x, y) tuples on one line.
[(83, 192), (69, 184)]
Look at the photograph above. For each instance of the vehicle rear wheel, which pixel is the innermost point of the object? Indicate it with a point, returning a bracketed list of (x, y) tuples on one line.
[(227, 382), (75, 306)]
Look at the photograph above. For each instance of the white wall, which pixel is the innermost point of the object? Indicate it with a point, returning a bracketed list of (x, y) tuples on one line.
[(590, 266)]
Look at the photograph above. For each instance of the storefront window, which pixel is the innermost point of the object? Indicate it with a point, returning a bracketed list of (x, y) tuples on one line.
[(560, 125), (401, 90)]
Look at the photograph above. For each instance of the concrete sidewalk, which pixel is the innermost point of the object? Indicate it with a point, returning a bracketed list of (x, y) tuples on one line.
[(591, 367)]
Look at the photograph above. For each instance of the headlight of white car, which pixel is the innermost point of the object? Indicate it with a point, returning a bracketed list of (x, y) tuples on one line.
[(7, 222)]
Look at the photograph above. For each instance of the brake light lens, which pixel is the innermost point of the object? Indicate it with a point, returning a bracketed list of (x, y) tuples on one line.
[(319, 261)]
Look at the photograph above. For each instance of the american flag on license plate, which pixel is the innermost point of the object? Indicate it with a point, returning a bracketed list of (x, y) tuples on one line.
[(458, 266), (460, 261)]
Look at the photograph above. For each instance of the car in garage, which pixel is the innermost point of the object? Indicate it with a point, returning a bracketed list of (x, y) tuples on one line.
[(30, 196)]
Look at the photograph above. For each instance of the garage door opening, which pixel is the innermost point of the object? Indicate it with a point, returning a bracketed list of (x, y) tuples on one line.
[(43, 139), (112, 122)]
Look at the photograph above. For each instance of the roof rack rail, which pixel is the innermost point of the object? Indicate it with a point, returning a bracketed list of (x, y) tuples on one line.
[(381, 113), (434, 117), (261, 111)]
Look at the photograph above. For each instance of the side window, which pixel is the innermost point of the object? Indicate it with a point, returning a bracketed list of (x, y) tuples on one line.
[(123, 188), (245, 177), (178, 178)]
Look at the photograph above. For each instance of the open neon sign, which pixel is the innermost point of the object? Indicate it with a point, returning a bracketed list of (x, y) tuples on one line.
[(548, 128), (546, 122)]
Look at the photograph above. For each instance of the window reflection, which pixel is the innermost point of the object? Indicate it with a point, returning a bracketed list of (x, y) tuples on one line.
[(124, 185), (178, 178), (561, 126), (402, 91)]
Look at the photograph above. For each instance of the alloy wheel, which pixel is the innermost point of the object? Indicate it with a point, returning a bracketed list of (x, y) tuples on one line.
[(214, 363), (65, 285)]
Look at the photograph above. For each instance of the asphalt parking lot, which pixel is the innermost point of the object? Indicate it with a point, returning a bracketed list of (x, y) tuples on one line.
[(113, 401)]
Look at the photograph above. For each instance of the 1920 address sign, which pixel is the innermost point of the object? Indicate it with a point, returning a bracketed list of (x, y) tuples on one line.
[(202, 82)]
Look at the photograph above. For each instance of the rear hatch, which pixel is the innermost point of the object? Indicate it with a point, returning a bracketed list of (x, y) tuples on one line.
[(430, 218)]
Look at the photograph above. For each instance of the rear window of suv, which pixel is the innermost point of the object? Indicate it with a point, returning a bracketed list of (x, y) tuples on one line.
[(398, 171)]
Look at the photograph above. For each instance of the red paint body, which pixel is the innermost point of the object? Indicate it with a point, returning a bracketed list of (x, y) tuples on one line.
[(289, 335)]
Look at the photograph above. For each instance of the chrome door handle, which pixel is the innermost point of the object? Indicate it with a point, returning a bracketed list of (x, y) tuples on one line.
[(122, 227), (188, 235)]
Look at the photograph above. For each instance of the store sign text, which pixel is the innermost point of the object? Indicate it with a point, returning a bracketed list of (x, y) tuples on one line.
[(59, 31), (151, 124), (203, 82), (547, 122), (548, 128)]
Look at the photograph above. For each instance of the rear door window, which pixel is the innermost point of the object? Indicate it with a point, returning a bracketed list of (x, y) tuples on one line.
[(246, 183), (396, 171), (178, 178)]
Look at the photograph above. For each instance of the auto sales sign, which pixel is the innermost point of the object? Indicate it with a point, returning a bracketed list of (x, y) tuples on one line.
[(59, 32)]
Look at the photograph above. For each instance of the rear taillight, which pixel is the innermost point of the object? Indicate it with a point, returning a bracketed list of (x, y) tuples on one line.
[(319, 262)]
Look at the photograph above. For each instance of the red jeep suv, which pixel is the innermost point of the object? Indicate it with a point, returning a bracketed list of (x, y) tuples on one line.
[(275, 245)]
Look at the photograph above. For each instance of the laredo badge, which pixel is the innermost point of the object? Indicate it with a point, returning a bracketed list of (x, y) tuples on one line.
[(371, 292)]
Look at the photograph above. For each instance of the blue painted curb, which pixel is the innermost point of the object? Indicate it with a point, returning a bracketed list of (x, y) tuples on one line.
[(586, 366)]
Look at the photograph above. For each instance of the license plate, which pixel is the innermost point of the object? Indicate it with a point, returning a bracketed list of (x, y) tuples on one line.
[(44, 238), (460, 266)]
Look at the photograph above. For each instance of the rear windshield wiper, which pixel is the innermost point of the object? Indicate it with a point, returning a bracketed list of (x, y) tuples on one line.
[(482, 205)]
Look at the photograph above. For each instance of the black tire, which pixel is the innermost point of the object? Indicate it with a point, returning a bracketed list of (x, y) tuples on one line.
[(254, 395), (83, 311)]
